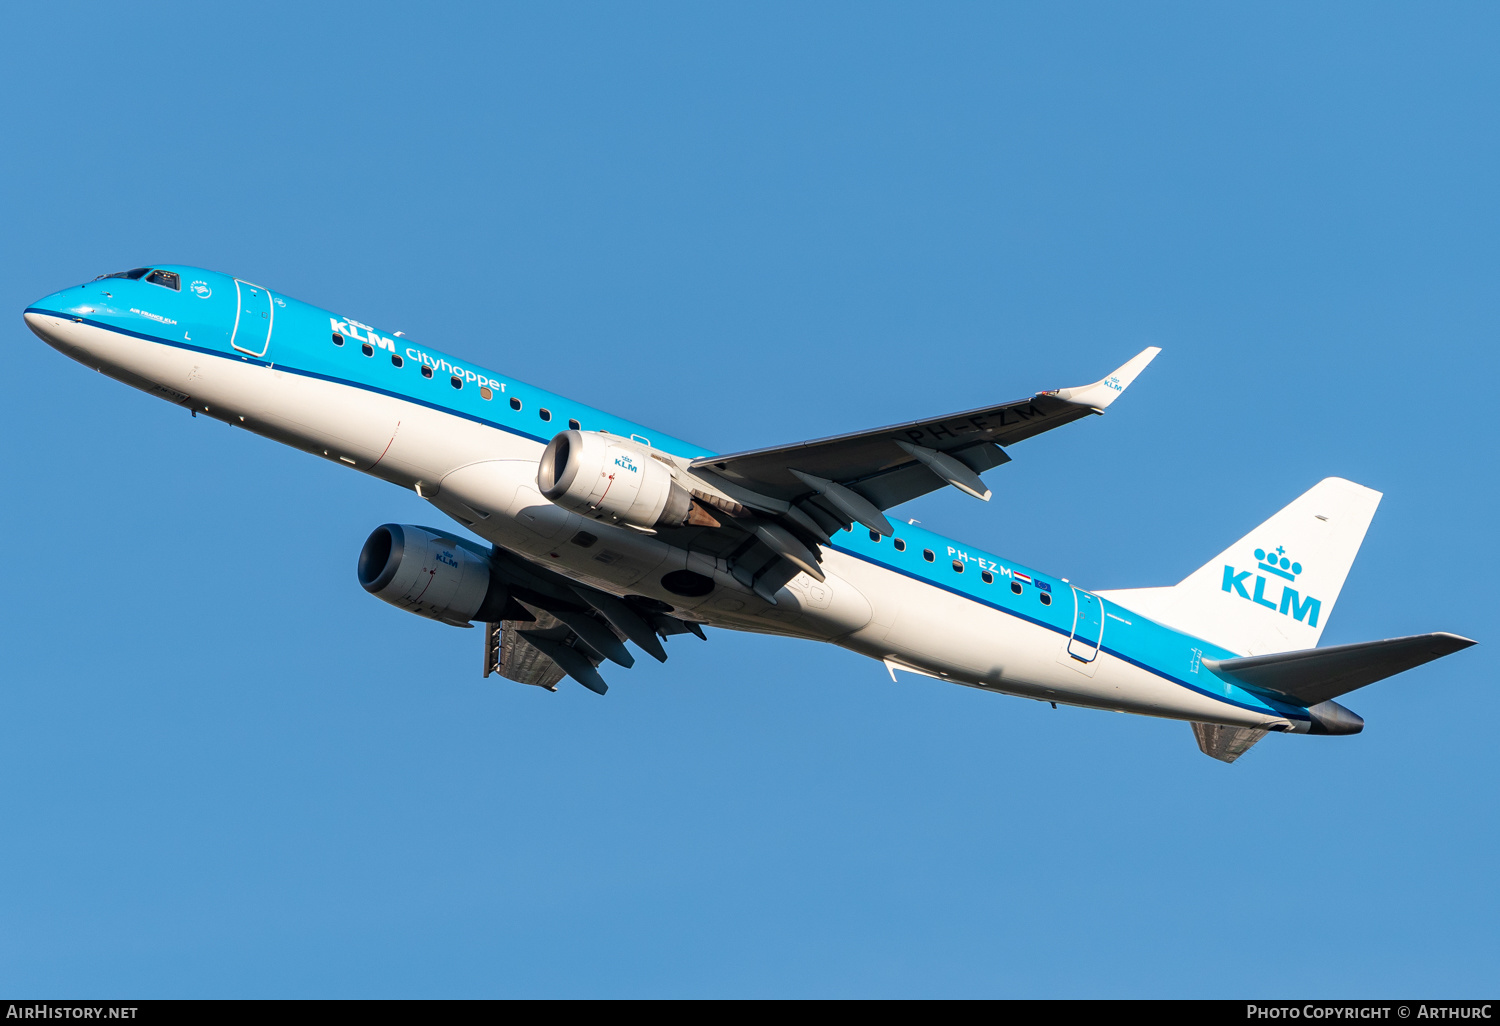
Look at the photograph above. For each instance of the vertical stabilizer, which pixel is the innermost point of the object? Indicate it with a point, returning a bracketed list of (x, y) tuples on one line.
[(1274, 589)]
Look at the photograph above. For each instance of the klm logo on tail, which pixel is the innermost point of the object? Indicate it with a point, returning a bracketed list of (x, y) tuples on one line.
[(1278, 564)]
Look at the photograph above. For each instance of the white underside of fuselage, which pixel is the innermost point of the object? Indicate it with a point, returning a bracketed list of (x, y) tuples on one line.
[(485, 478)]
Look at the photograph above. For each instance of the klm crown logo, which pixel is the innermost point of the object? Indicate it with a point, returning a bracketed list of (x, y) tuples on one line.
[(1277, 563)]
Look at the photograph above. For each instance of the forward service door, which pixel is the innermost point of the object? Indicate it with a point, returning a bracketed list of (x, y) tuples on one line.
[(255, 315)]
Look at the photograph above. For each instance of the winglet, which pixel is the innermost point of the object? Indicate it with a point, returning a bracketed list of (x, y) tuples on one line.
[(1101, 393)]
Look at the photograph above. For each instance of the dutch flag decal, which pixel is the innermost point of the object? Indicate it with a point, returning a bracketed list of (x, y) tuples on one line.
[(1020, 577)]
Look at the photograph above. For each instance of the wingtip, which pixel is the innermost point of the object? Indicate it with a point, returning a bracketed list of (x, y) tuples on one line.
[(1107, 389)]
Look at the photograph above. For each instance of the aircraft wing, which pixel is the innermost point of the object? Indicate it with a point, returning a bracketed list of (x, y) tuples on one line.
[(890, 465), (784, 502), (559, 627)]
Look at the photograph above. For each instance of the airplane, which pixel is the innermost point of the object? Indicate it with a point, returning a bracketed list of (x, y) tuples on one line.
[(602, 531)]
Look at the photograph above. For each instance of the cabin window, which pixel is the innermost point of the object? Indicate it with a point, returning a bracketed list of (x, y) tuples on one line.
[(927, 555), (544, 413), (367, 349), (1046, 599), (1015, 586), (456, 381), (515, 404), (900, 545), (875, 537), (574, 424), (396, 361), (166, 279), (426, 371), (485, 393), (338, 339), (986, 577), (958, 566)]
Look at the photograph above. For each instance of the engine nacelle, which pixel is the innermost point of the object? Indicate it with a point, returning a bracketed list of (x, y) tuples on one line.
[(605, 477), (432, 574)]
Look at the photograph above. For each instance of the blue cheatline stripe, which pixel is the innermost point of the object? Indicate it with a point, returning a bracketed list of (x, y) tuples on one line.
[(261, 361), (1058, 630)]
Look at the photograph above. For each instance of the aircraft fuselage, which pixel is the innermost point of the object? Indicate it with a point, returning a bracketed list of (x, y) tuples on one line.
[(468, 439)]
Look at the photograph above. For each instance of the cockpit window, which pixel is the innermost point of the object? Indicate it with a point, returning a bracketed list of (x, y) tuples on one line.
[(133, 274), (166, 279)]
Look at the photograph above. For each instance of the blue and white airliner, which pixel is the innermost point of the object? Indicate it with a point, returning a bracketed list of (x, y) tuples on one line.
[(601, 531)]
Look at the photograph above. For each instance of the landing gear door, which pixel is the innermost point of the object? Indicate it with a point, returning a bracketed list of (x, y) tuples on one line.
[(1088, 626), (254, 316)]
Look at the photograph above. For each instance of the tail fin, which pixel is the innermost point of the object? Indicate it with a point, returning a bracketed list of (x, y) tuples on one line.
[(1274, 589)]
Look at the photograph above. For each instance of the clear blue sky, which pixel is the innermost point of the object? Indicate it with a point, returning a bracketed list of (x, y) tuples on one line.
[(226, 770)]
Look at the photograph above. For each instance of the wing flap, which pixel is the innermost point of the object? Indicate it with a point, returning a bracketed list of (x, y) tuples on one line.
[(510, 657)]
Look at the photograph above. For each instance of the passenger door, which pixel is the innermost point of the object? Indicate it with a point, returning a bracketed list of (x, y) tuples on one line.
[(253, 319), (1088, 626)]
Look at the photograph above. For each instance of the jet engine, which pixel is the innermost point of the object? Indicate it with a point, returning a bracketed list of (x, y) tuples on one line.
[(605, 477), (432, 574)]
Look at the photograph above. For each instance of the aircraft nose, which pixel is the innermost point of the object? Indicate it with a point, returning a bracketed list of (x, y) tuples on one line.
[(47, 316), (35, 320), (73, 302)]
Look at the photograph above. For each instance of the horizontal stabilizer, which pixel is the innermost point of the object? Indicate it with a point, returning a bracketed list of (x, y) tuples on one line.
[(1318, 674), (1225, 743)]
